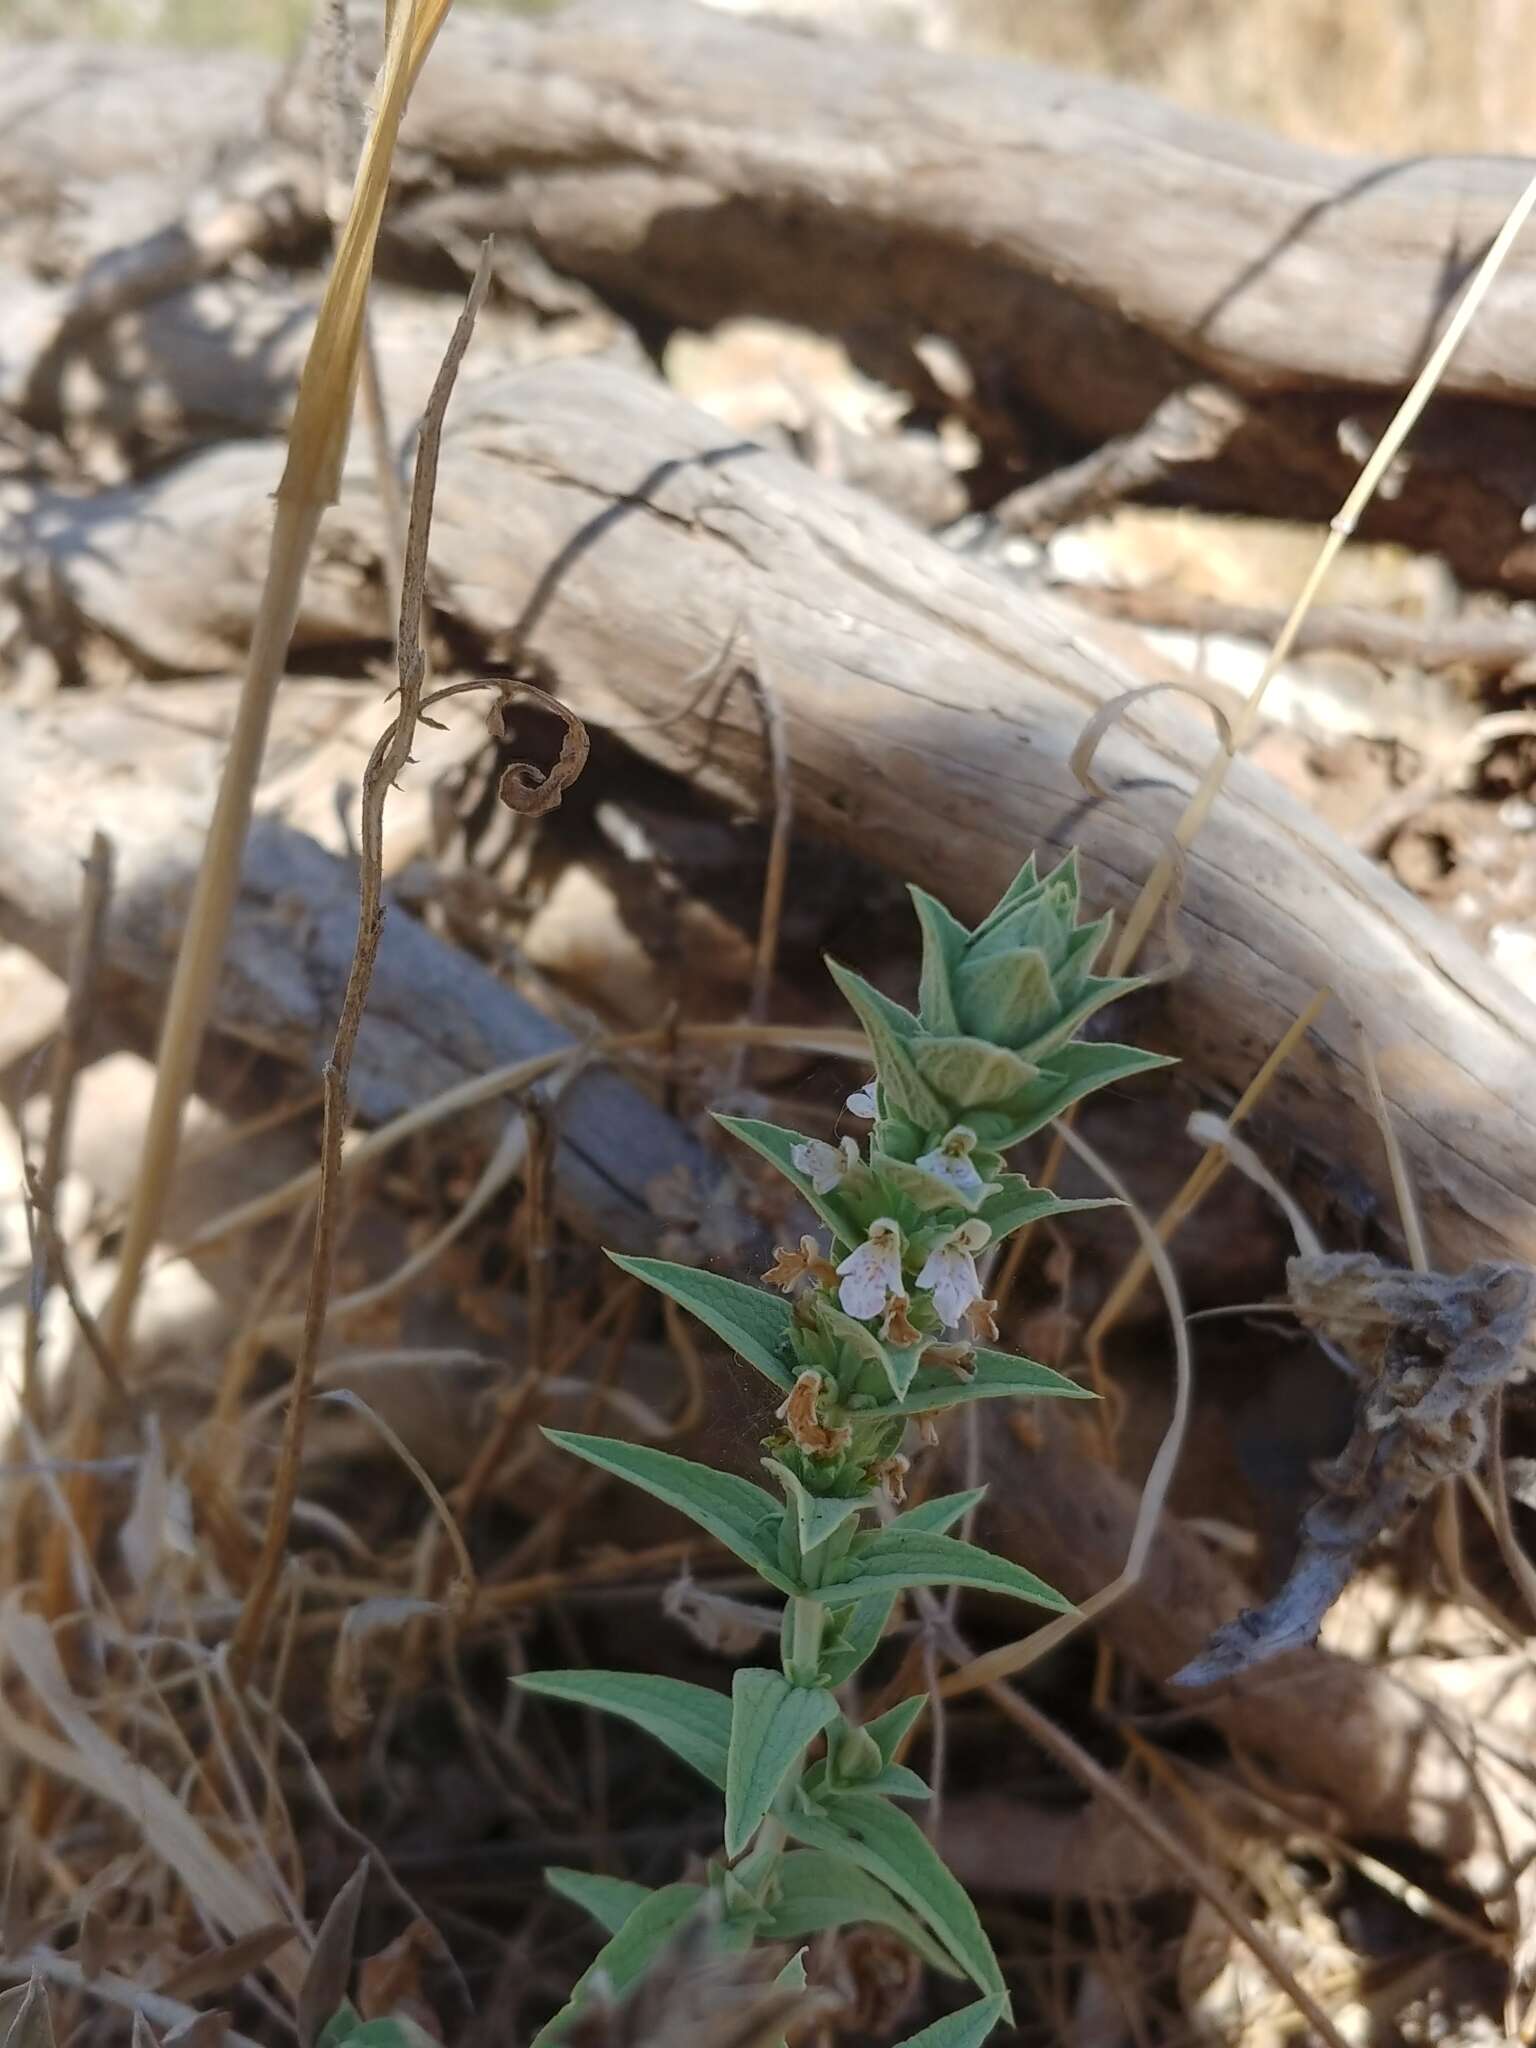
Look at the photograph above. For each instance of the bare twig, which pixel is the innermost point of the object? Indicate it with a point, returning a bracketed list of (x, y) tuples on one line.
[(1491, 647), (388, 759), (1192, 425)]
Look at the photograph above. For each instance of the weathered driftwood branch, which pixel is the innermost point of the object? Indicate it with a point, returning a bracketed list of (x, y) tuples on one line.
[(1089, 253), (600, 527), (435, 1017), (1087, 249)]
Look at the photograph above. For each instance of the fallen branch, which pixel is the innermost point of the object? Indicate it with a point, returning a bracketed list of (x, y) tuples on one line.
[(596, 526), (291, 941)]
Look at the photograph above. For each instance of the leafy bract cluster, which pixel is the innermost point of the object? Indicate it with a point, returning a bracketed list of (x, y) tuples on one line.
[(886, 1321)]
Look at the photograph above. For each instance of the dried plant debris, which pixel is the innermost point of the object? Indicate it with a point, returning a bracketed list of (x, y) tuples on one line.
[(1431, 1352)]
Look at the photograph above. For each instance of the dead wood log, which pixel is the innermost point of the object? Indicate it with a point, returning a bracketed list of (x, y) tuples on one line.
[(1090, 253), (435, 1016), (590, 522), (1088, 250)]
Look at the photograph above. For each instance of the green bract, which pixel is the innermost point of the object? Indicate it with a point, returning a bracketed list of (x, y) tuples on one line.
[(880, 1318)]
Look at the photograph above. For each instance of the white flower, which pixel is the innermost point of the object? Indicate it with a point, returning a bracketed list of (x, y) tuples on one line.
[(871, 1273), (952, 1161), (862, 1102), (825, 1166), (950, 1270)]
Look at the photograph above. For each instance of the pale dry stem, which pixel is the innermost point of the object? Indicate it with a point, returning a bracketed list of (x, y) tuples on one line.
[(388, 760)]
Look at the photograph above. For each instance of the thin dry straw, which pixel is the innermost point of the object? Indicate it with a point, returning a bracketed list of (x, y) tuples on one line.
[(311, 480)]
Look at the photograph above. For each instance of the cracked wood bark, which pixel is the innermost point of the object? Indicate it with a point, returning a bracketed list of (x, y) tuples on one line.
[(1087, 249), (435, 1016), (594, 524)]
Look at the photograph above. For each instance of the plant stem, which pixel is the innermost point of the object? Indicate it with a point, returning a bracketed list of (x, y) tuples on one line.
[(805, 1634)]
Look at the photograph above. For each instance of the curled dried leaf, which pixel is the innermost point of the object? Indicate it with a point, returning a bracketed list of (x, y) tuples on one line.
[(1431, 1352), (529, 790), (330, 1967), (1109, 715)]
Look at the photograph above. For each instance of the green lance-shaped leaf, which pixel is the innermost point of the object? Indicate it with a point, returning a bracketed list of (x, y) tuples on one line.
[(817, 1515), (390, 2030), (1007, 997), (893, 1559), (736, 1513), (753, 1322), (855, 1633), (692, 1721), (609, 1900), (971, 1073), (992, 1375), (893, 1848), (888, 1730), (967, 2028), (1017, 1203), (816, 1891), (1069, 1075), (897, 1782), (944, 942), (631, 1951), (893, 1038), (771, 1723)]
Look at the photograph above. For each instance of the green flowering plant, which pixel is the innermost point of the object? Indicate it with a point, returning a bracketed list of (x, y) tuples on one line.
[(887, 1324)]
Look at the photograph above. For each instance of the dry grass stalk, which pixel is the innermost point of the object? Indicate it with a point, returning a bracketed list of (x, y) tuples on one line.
[(388, 760), (310, 481)]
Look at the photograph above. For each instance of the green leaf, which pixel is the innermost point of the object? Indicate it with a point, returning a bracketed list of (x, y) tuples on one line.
[(341, 2026), (622, 1959), (753, 1322), (897, 1782), (775, 1144), (927, 1192), (891, 1033), (609, 1900), (1019, 1203), (817, 1891), (893, 1848), (856, 1632), (967, 2028), (392, 2030), (890, 1560), (771, 1723), (969, 1073), (744, 1517), (792, 1976), (1070, 1074), (938, 1516), (994, 1373), (944, 943), (889, 1730), (853, 1637), (1002, 994), (692, 1721), (817, 1515)]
